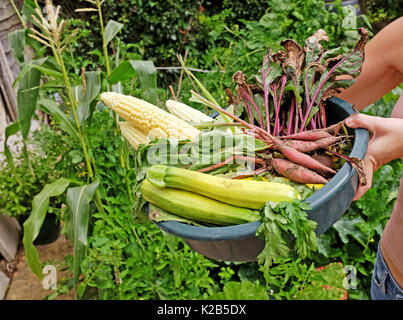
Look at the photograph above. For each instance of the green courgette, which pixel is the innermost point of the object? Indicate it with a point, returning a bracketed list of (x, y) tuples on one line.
[(196, 207)]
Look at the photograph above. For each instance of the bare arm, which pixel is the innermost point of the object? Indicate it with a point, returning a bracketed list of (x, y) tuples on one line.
[(382, 69)]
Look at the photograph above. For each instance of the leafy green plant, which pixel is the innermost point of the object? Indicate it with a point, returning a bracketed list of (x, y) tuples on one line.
[(380, 13), (244, 290), (281, 222), (33, 224), (324, 283), (291, 280), (17, 184), (16, 187), (126, 260)]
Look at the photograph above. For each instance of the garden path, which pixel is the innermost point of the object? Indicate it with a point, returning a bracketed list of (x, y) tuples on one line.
[(25, 285)]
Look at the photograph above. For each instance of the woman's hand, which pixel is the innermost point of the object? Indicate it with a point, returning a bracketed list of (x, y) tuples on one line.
[(385, 144)]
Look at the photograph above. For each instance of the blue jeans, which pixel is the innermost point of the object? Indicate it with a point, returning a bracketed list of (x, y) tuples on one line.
[(383, 285)]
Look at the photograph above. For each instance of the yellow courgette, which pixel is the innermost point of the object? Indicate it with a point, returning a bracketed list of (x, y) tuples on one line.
[(196, 207), (243, 193)]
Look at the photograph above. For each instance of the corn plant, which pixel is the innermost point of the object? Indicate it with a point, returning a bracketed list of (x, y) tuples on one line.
[(49, 73)]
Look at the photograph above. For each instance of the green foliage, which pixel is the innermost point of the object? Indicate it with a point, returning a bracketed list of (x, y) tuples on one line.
[(34, 222), (325, 283), (223, 37), (353, 239), (296, 279), (244, 290), (78, 201), (126, 260), (279, 224), (382, 12), (17, 186)]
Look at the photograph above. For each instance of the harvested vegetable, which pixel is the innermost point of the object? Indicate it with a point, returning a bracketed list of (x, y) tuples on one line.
[(297, 173), (148, 118), (309, 146), (308, 135), (263, 155), (303, 159), (186, 112), (195, 206), (134, 136), (294, 85), (243, 193)]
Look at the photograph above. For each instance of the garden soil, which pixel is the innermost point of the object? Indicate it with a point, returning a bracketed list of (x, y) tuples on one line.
[(25, 285)]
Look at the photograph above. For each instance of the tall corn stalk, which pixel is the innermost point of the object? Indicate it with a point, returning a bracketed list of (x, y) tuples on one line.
[(123, 154), (50, 34)]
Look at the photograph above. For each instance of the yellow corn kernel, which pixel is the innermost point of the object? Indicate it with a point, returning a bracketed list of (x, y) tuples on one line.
[(134, 136), (145, 116)]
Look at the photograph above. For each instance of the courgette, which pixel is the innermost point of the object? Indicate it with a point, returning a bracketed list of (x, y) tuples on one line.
[(196, 207), (242, 193)]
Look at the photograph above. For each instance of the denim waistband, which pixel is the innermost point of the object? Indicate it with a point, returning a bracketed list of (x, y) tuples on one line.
[(384, 280)]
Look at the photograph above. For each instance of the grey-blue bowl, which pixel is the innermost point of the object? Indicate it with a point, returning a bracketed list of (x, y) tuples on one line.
[(239, 242)]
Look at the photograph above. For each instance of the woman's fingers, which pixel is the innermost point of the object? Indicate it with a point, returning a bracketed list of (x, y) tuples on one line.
[(369, 168), (360, 120)]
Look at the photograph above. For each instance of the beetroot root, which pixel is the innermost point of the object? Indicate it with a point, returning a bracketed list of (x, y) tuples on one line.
[(309, 146), (308, 135), (296, 172), (316, 134), (324, 159), (302, 159)]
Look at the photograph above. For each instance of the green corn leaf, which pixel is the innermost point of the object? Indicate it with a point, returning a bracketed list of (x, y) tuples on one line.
[(78, 199), (27, 96), (146, 72), (122, 72), (111, 30), (17, 43), (125, 70), (33, 224), (28, 10), (38, 64), (65, 122), (93, 86), (10, 130)]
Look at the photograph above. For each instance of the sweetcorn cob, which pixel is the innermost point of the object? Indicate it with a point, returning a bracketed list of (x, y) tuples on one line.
[(134, 136), (147, 117), (186, 112)]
